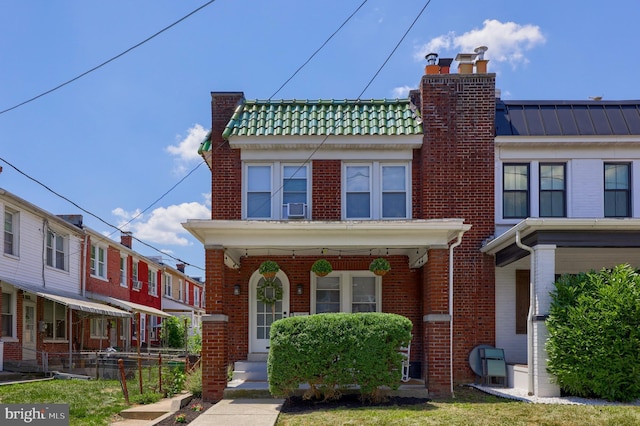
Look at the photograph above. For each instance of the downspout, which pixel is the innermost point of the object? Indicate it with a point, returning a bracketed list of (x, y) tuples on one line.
[(451, 247), (83, 268), (530, 365)]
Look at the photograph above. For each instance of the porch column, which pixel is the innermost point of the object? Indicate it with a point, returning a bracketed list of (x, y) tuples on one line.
[(436, 318), (543, 276), (215, 328)]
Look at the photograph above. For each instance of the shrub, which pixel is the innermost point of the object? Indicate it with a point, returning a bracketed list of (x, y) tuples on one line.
[(330, 352), (193, 382), (173, 332), (594, 334), (173, 383)]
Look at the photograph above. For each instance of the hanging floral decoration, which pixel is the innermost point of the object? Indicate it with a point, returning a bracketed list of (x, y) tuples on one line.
[(269, 292)]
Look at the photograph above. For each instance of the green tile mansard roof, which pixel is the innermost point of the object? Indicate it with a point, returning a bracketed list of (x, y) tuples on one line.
[(380, 117)]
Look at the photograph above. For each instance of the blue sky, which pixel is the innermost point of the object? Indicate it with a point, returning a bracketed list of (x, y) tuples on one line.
[(119, 138)]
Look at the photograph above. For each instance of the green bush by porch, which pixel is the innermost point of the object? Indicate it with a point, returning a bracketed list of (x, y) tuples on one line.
[(594, 334), (334, 351)]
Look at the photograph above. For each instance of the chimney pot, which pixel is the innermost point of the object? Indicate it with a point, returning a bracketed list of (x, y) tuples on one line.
[(480, 52), (431, 58), (465, 62)]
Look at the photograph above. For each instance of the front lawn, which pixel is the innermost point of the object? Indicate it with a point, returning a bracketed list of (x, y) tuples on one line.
[(91, 402), (470, 407)]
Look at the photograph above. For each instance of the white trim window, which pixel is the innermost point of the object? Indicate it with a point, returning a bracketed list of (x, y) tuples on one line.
[(8, 314), (276, 191), (180, 292), (56, 250), (143, 327), (153, 327), (152, 280), (136, 284), (11, 230), (98, 262), (123, 271), (55, 320), (99, 329), (196, 296), (346, 291), (168, 284), (376, 190)]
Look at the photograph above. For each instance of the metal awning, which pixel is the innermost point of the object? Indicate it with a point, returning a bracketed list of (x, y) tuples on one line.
[(129, 306), (73, 301)]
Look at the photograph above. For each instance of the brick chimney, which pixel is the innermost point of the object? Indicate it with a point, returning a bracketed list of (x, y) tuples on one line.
[(126, 239), (180, 267)]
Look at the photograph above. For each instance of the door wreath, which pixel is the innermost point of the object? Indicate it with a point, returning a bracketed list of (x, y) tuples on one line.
[(274, 296)]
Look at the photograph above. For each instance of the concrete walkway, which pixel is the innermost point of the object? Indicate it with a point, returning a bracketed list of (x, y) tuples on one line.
[(241, 412)]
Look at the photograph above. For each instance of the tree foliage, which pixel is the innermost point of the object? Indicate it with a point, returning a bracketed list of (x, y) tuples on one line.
[(174, 332), (594, 334)]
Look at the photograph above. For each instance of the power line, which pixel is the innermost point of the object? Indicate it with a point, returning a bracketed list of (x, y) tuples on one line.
[(109, 60), (104, 221)]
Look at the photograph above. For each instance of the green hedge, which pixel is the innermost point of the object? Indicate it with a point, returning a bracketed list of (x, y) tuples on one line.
[(330, 352), (594, 334)]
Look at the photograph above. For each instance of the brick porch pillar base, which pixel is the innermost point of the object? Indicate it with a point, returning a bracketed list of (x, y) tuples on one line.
[(215, 348), (436, 354)]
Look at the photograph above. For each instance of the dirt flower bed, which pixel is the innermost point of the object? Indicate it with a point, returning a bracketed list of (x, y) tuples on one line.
[(296, 404), (192, 410)]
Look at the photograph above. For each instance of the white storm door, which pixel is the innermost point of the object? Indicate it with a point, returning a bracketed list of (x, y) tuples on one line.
[(29, 331), (261, 315)]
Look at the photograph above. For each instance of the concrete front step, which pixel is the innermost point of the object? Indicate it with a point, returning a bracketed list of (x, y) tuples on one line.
[(255, 371)]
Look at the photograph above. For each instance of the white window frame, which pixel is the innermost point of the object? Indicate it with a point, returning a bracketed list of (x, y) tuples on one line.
[(124, 327), (376, 189), (123, 271), (143, 327), (99, 329), (277, 208), (12, 233), (168, 285), (97, 267), (196, 296), (12, 312), (152, 281), (135, 276), (56, 317), (54, 254), (180, 291), (346, 298), (153, 330)]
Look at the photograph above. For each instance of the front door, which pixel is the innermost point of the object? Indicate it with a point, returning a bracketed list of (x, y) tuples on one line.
[(29, 330), (262, 314)]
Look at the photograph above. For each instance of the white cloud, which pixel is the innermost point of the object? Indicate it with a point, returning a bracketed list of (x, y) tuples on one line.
[(163, 225), (507, 42), (401, 92), (186, 151)]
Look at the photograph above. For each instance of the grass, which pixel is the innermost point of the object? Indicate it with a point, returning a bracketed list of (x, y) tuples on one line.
[(470, 407), (91, 402)]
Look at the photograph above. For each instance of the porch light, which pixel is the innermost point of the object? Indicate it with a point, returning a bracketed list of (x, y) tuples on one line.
[(236, 290), (299, 289)]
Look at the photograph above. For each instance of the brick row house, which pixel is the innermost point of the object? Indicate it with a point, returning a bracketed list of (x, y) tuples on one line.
[(476, 202), (67, 288)]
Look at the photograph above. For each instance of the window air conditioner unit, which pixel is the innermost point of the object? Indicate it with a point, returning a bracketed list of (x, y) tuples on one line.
[(137, 285), (296, 210)]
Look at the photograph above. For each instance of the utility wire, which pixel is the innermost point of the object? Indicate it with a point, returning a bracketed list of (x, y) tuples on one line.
[(98, 217), (109, 60), (319, 49)]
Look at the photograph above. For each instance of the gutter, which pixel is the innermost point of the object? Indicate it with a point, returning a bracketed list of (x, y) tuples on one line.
[(451, 247), (530, 314)]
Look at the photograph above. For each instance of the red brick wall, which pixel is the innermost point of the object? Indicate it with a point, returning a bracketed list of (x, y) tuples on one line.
[(456, 167), (325, 191), (226, 171)]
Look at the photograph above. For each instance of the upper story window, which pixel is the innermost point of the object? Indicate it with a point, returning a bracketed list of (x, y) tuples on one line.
[(11, 226), (552, 190), (98, 261), (515, 194), (168, 283), (56, 250), (196, 297), (136, 285), (617, 190), (376, 191), (276, 191), (180, 290), (153, 282), (346, 291), (123, 271)]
